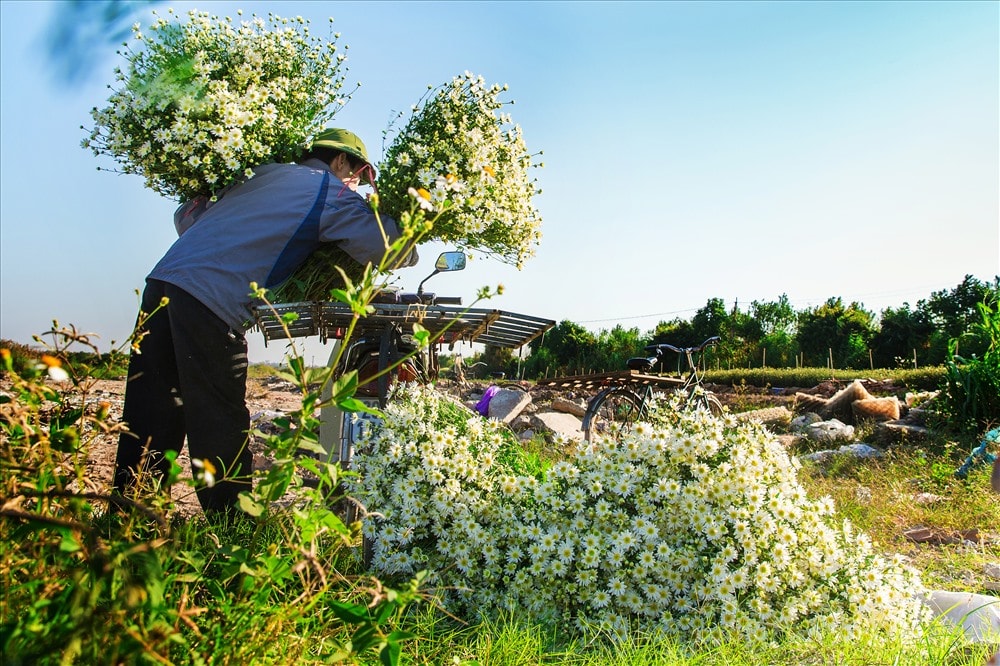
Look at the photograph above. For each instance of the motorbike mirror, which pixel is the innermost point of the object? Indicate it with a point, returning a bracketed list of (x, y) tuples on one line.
[(446, 262), (450, 261)]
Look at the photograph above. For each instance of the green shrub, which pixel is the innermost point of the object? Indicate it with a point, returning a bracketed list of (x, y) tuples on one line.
[(80, 363), (972, 385), (111, 365)]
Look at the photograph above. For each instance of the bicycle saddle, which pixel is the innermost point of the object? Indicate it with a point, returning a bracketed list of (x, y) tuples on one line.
[(642, 363)]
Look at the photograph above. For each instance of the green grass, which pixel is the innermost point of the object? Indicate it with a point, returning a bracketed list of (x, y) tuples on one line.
[(505, 642), (880, 496)]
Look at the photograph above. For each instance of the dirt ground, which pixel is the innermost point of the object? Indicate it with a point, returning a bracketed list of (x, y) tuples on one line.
[(263, 398)]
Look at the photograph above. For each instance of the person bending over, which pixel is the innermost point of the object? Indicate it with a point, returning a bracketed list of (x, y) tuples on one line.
[(188, 377)]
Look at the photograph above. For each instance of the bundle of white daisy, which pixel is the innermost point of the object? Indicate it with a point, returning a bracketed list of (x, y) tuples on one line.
[(458, 153), (199, 103), (691, 525)]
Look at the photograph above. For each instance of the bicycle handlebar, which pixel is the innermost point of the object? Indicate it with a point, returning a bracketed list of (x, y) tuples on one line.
[(661, 347), (645, 364)]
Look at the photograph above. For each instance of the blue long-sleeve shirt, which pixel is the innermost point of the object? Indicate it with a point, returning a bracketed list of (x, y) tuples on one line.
[(261, 230)]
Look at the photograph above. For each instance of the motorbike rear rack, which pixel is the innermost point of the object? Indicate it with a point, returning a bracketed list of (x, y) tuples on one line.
[(330, 320), (595, 381)]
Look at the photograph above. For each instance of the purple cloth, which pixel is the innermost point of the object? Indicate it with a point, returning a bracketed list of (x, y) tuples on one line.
[(483, 406)]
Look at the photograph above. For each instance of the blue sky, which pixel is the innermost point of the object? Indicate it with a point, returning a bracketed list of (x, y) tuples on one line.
[(734, 150)]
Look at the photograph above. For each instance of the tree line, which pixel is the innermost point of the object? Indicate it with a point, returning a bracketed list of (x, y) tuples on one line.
[(773, 334)]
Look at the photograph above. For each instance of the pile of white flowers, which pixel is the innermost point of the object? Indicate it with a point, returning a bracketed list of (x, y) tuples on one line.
[(461, 155), (202, 102), (690, 525)]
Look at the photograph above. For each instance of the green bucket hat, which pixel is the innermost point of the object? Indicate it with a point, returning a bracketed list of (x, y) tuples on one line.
[(348, 142)]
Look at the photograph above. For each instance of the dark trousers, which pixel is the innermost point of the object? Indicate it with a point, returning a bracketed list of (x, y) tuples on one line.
[(188, 379)]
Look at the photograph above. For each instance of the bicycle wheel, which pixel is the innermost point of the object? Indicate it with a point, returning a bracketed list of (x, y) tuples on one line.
[(612, 411), (706, 401)]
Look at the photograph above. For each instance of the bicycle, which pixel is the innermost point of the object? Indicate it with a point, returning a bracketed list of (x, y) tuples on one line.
[(617, 407)]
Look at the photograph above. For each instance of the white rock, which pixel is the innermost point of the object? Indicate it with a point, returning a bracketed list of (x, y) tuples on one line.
[(508, 403), (800, 423), (860, 450), (569, 407), (561, 424), (829, 431), (265, 415)]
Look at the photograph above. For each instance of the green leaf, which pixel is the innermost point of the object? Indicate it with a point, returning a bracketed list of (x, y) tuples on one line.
[(366, 637), (333, 522), (421, 335), (251, 507), (175, 468), (68, 543), (310, 445), (287, 376), (340, 295), (355, 405), (345, 386), (309, 400), (389, 655), (384, 611), (350, 613), (289, 317), (68, 418), (65, 440)]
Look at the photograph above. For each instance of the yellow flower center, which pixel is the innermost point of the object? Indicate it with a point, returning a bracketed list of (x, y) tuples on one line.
[(51, 361)]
